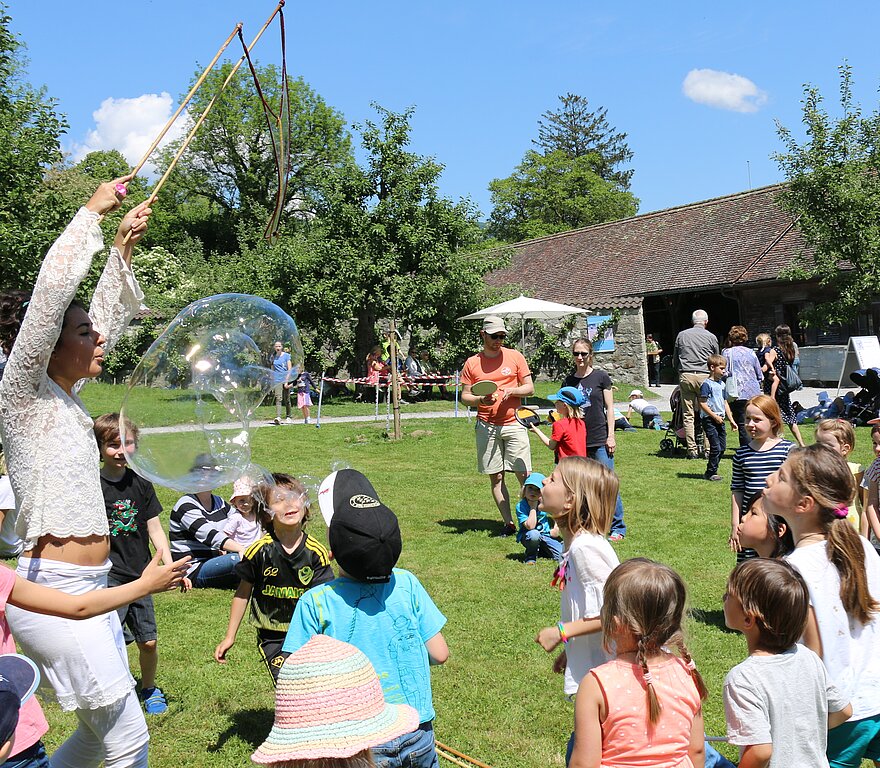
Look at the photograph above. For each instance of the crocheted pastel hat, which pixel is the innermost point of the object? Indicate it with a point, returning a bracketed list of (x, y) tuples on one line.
[(329, 703)]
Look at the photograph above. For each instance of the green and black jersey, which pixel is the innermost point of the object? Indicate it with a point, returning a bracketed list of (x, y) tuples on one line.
[(280, 579)]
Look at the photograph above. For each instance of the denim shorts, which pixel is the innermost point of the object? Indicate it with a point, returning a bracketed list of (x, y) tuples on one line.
[(33, 757), (412, 750)]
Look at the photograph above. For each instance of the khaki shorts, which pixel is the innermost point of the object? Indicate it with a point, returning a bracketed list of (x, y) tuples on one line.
[(503, 449)]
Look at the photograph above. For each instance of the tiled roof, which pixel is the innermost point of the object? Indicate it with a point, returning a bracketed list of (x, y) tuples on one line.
[(739, 238)]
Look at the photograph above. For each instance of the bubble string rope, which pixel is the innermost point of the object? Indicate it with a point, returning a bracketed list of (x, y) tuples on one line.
[(466, 761), (186, 142)]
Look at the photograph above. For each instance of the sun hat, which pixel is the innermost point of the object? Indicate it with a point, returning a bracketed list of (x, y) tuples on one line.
[(536, 479), (19, 678), (329, 703), (241, 487), (637, 393), (494, 324), (570, 396), (364, 534)]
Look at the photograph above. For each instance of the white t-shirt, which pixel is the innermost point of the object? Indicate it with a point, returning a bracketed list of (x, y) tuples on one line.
[(588, 562), (10, 544), (638, 404), (783, 700), (850, 650)]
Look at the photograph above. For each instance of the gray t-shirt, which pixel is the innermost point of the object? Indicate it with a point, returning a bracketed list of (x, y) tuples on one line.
[(783, 700)]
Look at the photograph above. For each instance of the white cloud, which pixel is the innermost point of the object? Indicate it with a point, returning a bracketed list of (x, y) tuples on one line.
[(130, 126), (723, 90)]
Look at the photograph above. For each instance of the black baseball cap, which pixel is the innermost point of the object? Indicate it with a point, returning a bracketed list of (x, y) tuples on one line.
[(364, 533)]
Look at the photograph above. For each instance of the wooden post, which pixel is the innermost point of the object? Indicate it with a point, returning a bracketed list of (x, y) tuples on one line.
[(395, 379)]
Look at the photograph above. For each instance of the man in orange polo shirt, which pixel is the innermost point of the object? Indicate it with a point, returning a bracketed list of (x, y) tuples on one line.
[(502, 443)]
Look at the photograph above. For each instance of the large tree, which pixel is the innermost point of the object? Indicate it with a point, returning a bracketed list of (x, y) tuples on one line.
[(833, 191), (577, 130), (555, 192), (385, 244), (30, 131), (226, 178)]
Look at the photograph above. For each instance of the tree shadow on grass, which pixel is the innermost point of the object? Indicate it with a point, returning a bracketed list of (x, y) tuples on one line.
[(712, 618), (691, 475), (250, 725), (472, 526)]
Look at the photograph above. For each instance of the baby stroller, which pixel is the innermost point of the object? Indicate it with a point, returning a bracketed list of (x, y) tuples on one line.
[(674, 439)]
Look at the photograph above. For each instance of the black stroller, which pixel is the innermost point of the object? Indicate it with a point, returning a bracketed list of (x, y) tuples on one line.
[(674, 440), (865, 404)]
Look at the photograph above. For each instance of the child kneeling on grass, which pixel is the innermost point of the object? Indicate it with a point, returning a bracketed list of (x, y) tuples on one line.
[(276, 571), (329, 710), (537, 532), (382, 610), (133, 516), (780, 702)]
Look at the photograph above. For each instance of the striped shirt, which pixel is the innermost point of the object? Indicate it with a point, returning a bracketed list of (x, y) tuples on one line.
[(194, 530), (751, 468), (871, 473)]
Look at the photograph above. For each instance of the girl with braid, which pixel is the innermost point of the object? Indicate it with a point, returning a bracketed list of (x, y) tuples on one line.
[(812, 490), (644, 707)]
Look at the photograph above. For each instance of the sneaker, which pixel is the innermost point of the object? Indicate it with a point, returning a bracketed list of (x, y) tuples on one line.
[(531, 562), (305, 421), (288, 420), (276, 422), (616, 537), (714, 478), (154, 701)]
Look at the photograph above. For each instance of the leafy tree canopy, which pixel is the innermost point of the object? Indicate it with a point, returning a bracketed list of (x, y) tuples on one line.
[(30, 131), (227, 175), (834, 192), (555, 192), (577, 130)]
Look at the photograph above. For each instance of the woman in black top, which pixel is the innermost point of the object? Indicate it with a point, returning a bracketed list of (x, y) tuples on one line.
[(598, 417), (779, 358)]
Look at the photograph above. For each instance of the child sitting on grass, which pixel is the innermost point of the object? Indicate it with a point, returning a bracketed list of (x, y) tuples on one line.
[(242, 525), (133, 516), (382, 610), (780, 702), (569, 434), (276, 571), (537, 532)]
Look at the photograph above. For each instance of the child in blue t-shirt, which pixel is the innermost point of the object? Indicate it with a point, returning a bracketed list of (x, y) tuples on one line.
[(714, 407), (382, 610), (537, 532)]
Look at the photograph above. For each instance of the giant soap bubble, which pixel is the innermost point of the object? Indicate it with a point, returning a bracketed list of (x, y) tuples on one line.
[(206, 374)]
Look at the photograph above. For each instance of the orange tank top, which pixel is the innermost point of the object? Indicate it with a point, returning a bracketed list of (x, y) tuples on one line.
[(628, 737)]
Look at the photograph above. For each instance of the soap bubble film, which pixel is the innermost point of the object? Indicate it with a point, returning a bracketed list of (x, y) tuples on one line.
[(211, 368)]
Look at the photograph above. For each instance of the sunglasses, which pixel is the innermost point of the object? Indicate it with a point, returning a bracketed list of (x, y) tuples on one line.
[(497, 336), (581, 354)]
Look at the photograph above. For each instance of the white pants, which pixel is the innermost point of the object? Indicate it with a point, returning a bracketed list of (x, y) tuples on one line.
[(86, 664), (115, 735)]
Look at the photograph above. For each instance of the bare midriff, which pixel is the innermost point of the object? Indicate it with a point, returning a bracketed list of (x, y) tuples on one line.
[(91, 550)]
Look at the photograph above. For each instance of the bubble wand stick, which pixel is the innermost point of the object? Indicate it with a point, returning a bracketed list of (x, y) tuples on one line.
[(208, 108)]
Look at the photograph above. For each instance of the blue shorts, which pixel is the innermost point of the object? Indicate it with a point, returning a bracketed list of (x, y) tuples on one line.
[(854, 740)]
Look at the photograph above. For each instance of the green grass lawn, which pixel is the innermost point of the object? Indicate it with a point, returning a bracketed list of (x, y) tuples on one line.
[(496, 698), (163, 407)]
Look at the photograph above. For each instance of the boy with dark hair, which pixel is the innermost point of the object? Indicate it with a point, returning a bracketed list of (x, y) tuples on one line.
[(382, 610), (133, 514), (276, 570), (713, 409), (779, 702)]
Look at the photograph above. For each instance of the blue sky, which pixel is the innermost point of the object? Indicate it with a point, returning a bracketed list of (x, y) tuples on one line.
[(481, 73)]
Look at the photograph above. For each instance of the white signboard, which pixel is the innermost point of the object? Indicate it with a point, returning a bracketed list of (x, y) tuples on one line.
[(861, 352)]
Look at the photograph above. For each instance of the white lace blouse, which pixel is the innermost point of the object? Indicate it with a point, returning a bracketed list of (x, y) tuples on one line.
[(47, 435)]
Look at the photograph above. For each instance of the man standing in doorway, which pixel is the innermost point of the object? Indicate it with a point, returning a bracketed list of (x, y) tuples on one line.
[(502, 443), (691, 359)]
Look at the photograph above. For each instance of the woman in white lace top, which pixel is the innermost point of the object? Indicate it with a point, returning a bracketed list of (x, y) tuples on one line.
[(53, 346)]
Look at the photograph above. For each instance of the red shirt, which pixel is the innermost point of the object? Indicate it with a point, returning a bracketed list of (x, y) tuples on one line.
[(570, 435), (507, 370)]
